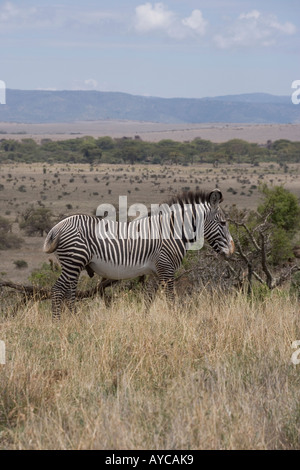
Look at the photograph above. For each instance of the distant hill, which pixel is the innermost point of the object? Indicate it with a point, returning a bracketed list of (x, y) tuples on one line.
[(40, 106)]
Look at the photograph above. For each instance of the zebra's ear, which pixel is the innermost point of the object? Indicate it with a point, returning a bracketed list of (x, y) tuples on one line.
[(215, 198)]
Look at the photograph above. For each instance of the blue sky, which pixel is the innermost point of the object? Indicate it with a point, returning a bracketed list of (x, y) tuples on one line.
[(173, 48)]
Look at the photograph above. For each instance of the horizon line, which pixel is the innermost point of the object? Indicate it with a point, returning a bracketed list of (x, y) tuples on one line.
[(149, 96)]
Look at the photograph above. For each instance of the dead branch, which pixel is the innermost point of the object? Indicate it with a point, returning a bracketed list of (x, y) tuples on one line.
[(242, 224), (40, 293), (31, 291), (269, 277), (260, 252), (286, 275)]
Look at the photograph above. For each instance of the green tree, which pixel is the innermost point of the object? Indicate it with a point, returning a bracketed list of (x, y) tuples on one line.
[(105, 143), (283, 206), (7, 238), (283, 211), (281, 246), (90, 151), (36, 221), (202, 145)]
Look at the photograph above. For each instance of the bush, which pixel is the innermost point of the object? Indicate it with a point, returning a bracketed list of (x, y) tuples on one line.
[(36, 221), (8, 240), (20, 264), (295, 285), (284, 208), (284, 215), (281, 247), (45, 275)]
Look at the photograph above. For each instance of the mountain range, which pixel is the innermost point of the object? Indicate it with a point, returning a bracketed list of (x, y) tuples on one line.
[(41, 106)]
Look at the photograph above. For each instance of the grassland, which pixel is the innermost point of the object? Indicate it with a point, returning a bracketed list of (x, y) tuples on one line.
[(79, 188), (214, 373), (211, 372)]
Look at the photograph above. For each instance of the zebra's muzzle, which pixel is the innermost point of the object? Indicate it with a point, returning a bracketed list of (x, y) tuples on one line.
[(229, 251)]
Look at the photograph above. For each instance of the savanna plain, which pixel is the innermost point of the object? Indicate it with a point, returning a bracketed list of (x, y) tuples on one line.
[(212, 371)]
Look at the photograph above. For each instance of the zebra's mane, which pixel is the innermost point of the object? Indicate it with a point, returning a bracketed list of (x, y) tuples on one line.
[(187, 197), (190, 197)]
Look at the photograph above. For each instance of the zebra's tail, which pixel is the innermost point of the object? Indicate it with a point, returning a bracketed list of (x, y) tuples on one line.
[(52, 239)]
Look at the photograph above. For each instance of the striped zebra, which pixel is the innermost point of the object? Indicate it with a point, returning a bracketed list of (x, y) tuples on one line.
[(156, 243)]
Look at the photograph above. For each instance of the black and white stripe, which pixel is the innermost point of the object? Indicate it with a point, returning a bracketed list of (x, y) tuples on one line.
[(119, 250)]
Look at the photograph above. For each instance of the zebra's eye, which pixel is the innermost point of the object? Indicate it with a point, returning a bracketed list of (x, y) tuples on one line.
[(223, 222)]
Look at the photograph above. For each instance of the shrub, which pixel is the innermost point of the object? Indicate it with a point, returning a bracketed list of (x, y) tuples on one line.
[(45, 275), (36, 221), (8, 240), (284, 208), (295, 284), (20, 264)]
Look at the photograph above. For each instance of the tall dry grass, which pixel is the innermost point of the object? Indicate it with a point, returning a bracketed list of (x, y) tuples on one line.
[(213, 373)]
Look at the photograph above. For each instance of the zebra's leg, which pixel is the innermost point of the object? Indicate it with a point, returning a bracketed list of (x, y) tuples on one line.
[(168, 286), (150, 289), (166, 279), (65, 287), (70, 296)]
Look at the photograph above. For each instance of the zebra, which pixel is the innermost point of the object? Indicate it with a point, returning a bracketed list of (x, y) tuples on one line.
[(79, 243)]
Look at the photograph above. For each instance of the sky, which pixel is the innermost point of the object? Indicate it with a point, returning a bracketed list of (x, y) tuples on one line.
[(173, 48)]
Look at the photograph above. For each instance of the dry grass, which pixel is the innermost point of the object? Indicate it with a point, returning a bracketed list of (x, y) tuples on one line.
[(214, 373), (84, 189)]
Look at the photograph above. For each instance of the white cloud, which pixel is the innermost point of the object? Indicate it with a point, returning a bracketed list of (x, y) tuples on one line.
[(10, 14), (196, 22), (91, 83), (252, 29), (7, 12), (252, 14), (88, 84), (285, 28), (157, 17), (46, 89), (149, 17)]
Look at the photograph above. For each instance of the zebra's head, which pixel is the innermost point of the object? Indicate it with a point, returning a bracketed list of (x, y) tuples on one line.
[(216, 230)]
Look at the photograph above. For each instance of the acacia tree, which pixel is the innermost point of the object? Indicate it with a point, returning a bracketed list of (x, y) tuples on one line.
[(7, 238), (36, 221), (284, 207), (264, 238)]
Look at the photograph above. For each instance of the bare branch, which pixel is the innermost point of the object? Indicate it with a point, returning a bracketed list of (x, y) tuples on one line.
[(44, 294), (242, 224), (284, 276), (270, 280)]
